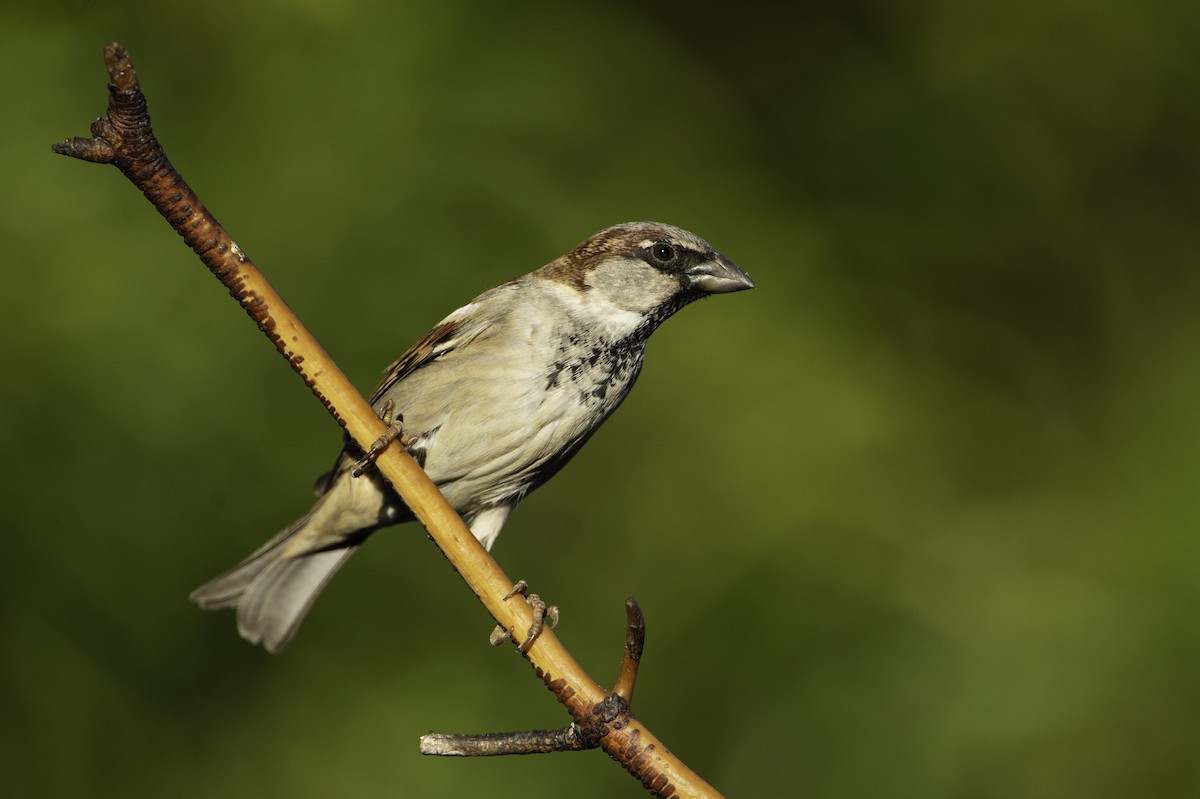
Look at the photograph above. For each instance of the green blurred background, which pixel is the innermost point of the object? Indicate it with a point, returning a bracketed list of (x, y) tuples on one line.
[(918, 517)]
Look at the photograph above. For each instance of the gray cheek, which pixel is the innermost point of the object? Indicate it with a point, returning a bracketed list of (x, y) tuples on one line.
[(632, 286)]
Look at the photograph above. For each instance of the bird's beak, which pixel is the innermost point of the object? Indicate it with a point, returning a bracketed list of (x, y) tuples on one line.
[(719, 276)]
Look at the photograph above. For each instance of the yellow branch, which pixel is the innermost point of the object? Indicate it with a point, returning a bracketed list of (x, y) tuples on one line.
[(124, 138)]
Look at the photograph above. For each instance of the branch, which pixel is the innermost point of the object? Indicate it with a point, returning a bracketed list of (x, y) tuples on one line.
[(125, 139), (576, 736)]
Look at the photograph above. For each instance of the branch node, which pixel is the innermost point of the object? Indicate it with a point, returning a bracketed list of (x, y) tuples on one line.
[(610, 713), (606, 715)]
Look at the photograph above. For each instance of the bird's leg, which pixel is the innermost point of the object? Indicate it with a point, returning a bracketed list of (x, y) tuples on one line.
[(541, 614), (395, 426)]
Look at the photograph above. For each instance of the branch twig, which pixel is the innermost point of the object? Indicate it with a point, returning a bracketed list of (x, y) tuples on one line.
[(125, 139), (571, 738), (635, 644)]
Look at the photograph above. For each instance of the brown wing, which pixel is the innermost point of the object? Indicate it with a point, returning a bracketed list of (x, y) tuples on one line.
[(447, 335), (457, 329), (437, 342)]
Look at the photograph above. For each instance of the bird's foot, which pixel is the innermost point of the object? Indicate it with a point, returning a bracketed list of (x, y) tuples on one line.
[(542, 614), (395, 429)]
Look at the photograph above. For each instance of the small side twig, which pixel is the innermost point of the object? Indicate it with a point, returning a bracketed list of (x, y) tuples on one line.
[(635, 643), (488, 744), (576, 736)]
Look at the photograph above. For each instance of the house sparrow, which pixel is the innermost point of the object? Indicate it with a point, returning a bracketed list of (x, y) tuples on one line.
[(494, 400)]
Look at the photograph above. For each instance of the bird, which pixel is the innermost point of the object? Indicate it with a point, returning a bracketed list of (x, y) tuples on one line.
[(492, 402)]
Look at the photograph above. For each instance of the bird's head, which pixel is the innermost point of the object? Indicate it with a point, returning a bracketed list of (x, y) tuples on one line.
[(639, 273)]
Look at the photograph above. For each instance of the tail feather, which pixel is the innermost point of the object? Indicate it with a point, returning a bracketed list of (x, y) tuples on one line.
[(273, 605), (273, 592)]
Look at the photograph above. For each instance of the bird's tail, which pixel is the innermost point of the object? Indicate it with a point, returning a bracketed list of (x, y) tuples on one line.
[(271, 590)]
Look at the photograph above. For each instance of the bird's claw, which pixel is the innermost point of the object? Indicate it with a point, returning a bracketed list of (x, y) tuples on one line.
[(543, 614), (395, 427)]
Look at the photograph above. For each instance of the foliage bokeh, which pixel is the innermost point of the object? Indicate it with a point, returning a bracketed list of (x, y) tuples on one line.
[(917, 517)]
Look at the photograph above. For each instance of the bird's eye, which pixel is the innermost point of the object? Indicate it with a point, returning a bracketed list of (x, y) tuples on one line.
[(662, 252)]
